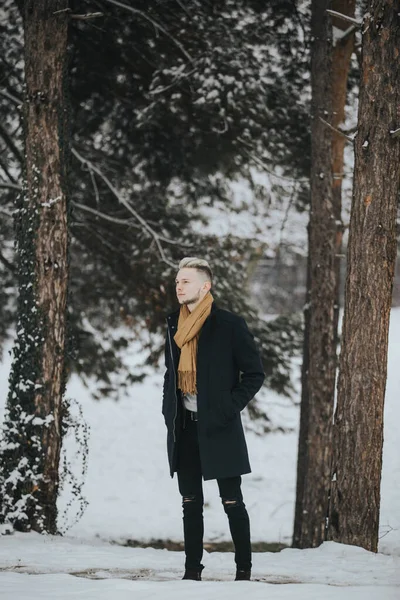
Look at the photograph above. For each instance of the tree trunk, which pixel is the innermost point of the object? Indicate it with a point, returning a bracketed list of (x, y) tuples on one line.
[(342, 52), (32, 432), (358, 425), (329, 71)]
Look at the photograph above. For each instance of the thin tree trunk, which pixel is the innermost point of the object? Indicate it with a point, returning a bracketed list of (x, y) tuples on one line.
[(329, 71), (341, 58), (34, 409), (358, 426)]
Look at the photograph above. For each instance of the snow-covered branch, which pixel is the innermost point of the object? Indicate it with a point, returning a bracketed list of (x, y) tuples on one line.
[(347, 18), (339, 35)]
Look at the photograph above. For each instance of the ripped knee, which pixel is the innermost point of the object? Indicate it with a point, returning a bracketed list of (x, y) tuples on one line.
[(230, 503), (186, 499), (191, 500)]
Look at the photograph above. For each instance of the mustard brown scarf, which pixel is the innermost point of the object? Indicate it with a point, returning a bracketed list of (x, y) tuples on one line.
[(186, 338)]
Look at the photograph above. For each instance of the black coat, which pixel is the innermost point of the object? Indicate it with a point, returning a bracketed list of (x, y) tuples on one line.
[(226, 349)]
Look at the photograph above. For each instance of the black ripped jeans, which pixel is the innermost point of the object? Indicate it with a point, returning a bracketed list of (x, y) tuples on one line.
[(191, 489)]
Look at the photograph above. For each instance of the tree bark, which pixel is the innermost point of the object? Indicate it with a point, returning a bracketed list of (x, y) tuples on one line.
[(358, 425), (342, 52), (329, 71), (34, 409)]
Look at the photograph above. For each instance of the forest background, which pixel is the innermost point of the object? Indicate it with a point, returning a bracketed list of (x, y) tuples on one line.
[(185, 129)]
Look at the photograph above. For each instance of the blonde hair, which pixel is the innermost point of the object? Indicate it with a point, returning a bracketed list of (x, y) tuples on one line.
[(191, 262)]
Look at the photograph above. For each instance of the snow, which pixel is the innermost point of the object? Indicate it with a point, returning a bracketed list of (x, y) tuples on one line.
[(272, 220), (128, 472), (69, 568), (131, 496)]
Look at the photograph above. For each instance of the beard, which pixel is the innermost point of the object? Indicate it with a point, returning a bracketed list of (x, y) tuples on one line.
[(191, 300)]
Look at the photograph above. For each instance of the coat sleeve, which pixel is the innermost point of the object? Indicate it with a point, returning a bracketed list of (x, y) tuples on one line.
[(166, 374), (249, 362)]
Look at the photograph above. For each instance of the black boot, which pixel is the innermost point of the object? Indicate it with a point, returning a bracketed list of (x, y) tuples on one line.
[(242, 575), (193, 574)]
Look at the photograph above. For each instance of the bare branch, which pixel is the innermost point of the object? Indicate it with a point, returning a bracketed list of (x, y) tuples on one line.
[(127, 205), (7, 172), (7, 94), (389, 530), (156, 24), (347, 137), (177, 79), (183, 7), (10, 186), (286, 215), (7, 263), (11, 145), (350, 130), (103, 240), (63, 10), (127, 222), (347, 18), (5, 213), (395, 133), (344, 34), (96, 189), (97, 213), (255, 158), (87, 17)]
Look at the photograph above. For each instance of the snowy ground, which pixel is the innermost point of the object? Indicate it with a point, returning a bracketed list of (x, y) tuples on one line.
[(131, 496), (37, 567)]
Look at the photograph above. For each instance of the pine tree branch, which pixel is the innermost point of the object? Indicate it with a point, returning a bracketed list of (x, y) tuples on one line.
[(155, 24), (128, 206)]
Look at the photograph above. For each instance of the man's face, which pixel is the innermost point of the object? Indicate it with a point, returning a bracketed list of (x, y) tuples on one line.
[(190, 286)]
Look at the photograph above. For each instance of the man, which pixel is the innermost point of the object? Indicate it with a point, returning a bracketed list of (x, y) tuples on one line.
[(213, 371)]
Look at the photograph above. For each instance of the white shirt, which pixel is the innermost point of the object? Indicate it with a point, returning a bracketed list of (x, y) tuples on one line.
[(190, 401)]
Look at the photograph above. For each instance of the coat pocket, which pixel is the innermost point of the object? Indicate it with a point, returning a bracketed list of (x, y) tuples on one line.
[(226, 404), (221, 413)]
